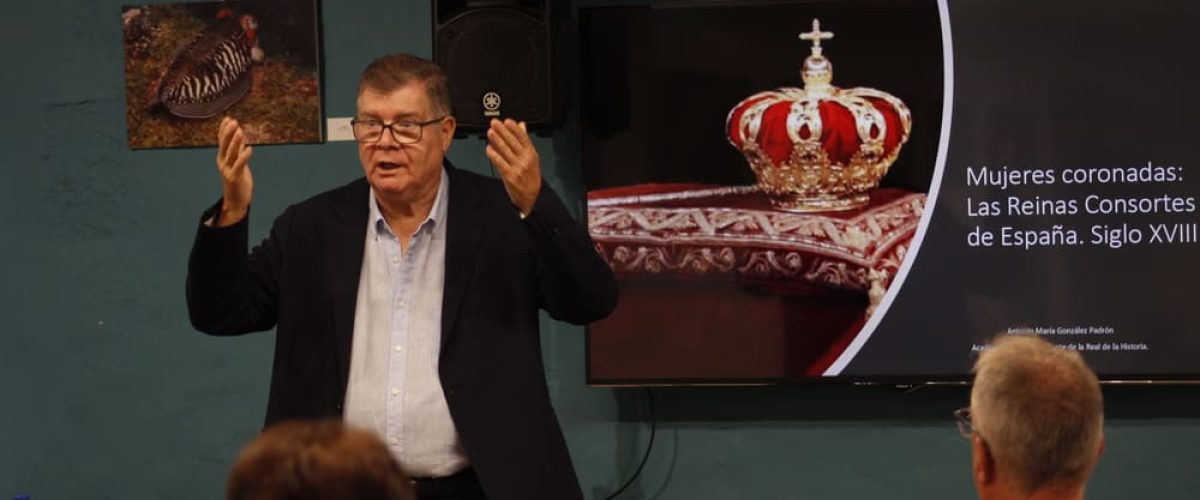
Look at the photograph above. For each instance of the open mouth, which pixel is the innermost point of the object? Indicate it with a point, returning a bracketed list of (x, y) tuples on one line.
[(387, 165)]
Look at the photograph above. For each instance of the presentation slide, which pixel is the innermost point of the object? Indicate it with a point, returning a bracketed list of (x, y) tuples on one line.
[(871, 190)]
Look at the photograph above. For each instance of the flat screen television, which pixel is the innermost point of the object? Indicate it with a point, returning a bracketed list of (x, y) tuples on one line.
[(963, 170)]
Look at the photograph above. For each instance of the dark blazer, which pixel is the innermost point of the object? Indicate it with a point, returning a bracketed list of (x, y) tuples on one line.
[(500, 269)]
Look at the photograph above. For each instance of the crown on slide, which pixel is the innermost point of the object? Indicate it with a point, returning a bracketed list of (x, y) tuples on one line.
[(820, 147)]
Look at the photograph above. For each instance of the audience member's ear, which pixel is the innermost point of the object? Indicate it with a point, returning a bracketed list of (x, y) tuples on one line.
[(983, 464)]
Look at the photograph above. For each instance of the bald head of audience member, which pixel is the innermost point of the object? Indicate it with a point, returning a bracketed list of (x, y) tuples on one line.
[(326, 460), (1037, 420)]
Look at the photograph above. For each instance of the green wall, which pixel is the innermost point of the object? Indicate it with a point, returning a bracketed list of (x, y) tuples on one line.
[(106, 392)]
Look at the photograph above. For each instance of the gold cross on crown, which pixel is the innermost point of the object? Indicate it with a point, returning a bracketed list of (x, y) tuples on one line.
[(815, 36)]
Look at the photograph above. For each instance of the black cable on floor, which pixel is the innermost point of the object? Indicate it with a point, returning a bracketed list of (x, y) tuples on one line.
[(649, 446)]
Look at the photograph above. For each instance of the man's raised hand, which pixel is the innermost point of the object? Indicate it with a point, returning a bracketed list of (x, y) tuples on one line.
[(233, 162), (512, 152)]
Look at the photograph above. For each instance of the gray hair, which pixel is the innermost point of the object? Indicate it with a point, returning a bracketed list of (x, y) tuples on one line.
[(1040, 410), (393, 71)]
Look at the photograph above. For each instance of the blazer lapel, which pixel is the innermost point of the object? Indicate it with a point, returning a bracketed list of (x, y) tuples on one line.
[(347, 232), (466, 225)]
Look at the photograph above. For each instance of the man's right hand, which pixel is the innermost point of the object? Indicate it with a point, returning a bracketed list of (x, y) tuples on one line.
[(233, 162)]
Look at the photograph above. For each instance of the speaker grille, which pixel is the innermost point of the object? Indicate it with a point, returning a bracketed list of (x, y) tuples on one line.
[(496, 56)]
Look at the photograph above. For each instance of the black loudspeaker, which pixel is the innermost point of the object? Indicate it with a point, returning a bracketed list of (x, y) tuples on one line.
[(501, 59)]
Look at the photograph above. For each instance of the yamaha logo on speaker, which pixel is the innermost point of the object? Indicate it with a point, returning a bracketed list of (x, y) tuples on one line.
[(491, 104)]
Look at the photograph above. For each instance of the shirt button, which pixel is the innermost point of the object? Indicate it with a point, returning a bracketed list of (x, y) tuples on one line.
[(400, 303), (394, 441), (399, 348), (395, 392)]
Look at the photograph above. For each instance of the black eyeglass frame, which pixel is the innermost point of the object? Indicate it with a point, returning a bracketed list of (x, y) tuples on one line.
[(420, 127), (962, 419)]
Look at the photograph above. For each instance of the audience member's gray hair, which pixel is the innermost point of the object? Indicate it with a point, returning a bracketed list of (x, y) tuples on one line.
[(1039, 409)]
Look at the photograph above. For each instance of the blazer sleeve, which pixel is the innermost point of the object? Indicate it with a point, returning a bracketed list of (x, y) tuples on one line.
[(574, 284), (230, 291)]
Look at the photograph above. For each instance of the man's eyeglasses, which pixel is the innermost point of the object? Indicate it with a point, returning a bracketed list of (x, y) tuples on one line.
[(962, 417), (404, 132)]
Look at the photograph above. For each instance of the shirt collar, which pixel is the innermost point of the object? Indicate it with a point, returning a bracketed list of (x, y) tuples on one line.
[(436, 213)]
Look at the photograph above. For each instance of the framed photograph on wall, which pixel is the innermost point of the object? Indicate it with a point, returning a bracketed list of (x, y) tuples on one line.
[(187, 65)]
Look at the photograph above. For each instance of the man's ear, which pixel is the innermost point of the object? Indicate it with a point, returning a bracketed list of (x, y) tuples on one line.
[(449, 125), (983, 464), (1100, 451)]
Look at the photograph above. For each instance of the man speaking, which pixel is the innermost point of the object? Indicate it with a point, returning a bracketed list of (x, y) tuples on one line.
[(407, 301)]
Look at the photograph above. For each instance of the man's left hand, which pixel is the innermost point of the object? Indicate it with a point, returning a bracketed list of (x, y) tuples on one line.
[(513, 154)]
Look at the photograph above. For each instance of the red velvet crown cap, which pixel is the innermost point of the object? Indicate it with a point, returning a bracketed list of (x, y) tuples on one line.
[(819, 147), (839, 135)]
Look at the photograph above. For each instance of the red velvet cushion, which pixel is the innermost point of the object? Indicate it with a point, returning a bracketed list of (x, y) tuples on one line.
[(689, 229), (719, 287)]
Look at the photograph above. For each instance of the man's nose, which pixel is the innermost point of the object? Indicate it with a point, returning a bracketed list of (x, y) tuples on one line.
[(387, 138)]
